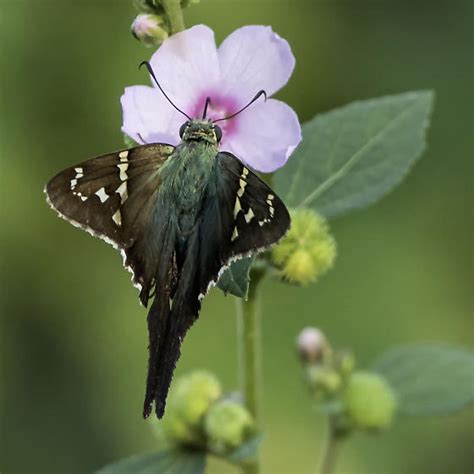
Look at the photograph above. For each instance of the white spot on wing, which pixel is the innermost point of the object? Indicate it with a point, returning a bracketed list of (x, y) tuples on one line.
[(123, 167), (73, 183), (241, 190), (117, 218), (235, 234), (237, 207), (123, 155), (102, 195), (249, 216), (80, 195), (122, 192)]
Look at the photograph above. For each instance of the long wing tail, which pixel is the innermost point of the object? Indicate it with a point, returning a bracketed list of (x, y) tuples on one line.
[(174, 310)]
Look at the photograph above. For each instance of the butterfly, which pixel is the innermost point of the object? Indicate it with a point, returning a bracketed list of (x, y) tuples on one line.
[(179, 215)]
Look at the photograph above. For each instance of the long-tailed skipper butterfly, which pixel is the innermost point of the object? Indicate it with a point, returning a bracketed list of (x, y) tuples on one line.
[(179, 216)]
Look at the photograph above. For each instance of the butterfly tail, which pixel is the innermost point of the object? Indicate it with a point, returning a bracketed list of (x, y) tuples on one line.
[(184, 310), (160, 319)]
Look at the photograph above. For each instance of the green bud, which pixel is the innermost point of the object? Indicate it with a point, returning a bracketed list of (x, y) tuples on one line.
[(227, 425), (324, 379), (150, 29), (177, 431), (369, 401), (344, 362), (194, 395), (307, 251), (189, 400)]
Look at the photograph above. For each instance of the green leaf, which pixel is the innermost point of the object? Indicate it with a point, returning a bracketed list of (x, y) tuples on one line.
[(245, 452), (235, 280), (163, 462), (429, 379), (354, 155)]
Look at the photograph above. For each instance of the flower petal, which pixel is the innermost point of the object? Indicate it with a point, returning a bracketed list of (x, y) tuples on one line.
[(186, 64), (147, 115), (265, 135), (254, 58)]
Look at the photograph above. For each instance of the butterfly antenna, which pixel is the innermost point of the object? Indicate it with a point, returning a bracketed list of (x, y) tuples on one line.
[(141, 139), (152, 74), (206, 105), (257, 96)]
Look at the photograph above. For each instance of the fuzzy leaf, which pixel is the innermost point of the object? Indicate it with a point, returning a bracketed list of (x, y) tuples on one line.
[(429, 379), (235, 280), (352, 156), (163, 462)]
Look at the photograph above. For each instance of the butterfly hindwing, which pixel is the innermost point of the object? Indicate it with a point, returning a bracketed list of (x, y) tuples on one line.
[(241, 216), (113, 197)]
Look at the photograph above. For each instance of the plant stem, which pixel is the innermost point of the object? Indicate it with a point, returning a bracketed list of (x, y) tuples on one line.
[(175, 15), (330, 450), (248, 317)]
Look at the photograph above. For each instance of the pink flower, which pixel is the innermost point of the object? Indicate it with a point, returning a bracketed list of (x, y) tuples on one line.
[(190, 68)]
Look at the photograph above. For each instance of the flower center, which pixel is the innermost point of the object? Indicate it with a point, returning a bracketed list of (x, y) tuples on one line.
[(219, 107)]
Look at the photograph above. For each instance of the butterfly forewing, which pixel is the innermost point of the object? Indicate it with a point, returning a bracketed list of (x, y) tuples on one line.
[(113, 197)]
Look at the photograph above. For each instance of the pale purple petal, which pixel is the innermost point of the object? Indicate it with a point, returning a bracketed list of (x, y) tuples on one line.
[(254, 58), (147, 116), (186, 65), (265, 135)]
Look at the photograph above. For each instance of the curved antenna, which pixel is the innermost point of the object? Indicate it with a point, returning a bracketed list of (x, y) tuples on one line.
[(152, 74), (206, 105), (257, 96)]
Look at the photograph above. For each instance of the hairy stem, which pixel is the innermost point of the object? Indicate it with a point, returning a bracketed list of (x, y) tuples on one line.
[(330, 450), (175, 15), (248, 317)]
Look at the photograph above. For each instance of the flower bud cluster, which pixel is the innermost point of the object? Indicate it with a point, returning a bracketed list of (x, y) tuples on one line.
[(198, 415), (322, 366), (307, 251), (151, 25), (355, 399)]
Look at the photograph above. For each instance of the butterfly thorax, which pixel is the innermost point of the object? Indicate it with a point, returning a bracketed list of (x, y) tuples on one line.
[(185, 178)]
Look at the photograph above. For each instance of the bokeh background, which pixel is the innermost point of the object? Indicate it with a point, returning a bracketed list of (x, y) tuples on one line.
[(73, 345)]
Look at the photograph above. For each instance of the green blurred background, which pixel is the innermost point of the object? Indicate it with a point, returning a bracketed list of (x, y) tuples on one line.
[(73, 335)]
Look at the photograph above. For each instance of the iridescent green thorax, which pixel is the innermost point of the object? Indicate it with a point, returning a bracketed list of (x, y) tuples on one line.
[(187, 174), (189, 167)]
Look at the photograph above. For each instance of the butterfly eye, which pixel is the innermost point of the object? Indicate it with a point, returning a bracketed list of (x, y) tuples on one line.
[(182, 129), (218, 133)]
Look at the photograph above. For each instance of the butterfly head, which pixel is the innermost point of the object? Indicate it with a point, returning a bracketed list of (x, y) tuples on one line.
[(198, 130)]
